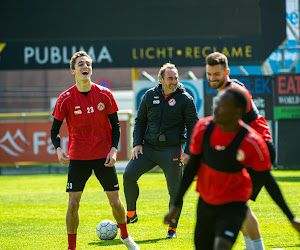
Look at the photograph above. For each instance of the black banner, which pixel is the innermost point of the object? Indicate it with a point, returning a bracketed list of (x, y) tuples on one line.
[(139, 33), (129, 53)]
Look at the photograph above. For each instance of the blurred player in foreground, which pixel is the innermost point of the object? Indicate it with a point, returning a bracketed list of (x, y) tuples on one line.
[(94, 131), (221, 148), (217, 74)]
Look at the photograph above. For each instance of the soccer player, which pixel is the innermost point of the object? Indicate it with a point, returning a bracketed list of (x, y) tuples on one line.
[(90, 112), (221, 148), (217, 74), (164, 114)]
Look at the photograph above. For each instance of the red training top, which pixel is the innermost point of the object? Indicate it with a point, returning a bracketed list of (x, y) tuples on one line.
[(216, 187), (87, 121)]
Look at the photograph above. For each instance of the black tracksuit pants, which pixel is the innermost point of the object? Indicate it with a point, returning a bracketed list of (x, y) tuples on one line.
[(167, 159)]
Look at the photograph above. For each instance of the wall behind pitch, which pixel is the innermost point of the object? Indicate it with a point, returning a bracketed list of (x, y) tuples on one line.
[(288, 148)]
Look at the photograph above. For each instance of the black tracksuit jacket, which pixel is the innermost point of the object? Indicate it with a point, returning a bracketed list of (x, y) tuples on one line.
[(171, 117)]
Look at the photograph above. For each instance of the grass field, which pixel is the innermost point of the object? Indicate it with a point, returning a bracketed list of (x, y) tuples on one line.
[(32, 214)]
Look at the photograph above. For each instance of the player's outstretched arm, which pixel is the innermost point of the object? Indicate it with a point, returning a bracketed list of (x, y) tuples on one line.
[(170, 217), (276, 194), (190, 171)]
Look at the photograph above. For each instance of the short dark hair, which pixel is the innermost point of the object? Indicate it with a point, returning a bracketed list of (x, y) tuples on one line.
[(216, 58), (239, 97), (75, 56)]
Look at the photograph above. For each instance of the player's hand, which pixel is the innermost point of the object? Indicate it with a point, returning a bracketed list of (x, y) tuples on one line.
[(184, 158), (62, 156), (138, 149), (296, 224), (111, 158), (170, 217)]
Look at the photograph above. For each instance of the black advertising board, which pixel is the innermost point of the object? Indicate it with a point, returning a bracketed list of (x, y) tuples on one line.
[(259, 86), (138, 33), (123, 53)]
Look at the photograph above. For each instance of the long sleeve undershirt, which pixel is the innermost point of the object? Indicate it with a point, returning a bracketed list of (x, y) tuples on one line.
[(114, 122), (190, 171), (274, 191)]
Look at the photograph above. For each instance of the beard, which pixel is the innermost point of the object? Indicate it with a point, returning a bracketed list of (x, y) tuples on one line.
[(217, 84)]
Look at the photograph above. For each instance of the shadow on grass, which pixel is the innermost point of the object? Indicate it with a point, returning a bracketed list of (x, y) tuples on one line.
[(295, 246), (288, 179), (119, 242)]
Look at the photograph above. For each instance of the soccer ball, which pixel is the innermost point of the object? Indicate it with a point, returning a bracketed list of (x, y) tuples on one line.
[(107, 230)]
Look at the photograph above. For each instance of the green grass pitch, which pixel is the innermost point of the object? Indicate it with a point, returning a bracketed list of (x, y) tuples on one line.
[(33, 208)]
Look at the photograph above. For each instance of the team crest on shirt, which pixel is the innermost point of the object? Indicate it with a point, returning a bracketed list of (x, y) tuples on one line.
[(240, 156), (172, 102), (100, 106)]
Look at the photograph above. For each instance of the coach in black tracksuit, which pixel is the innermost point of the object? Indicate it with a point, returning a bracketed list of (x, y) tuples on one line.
[(165, 114)]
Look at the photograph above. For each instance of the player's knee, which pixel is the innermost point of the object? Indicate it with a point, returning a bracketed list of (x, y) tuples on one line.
[(128, 176), (173, 192), (115, 203), (250, 217), (125, 176)]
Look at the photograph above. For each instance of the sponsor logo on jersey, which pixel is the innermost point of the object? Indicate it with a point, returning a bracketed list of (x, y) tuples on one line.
[(172, 102), (156, 97), (100, 106), (156, 101), (78, 112)]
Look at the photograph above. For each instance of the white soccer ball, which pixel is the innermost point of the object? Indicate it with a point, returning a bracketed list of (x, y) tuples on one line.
[(107, 230)]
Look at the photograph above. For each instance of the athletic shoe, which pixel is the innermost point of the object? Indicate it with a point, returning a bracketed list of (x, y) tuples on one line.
[(132, 219), (129, 243), (171, 234)]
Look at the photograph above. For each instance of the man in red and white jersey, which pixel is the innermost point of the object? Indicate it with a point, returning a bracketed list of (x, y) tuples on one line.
[(217, 74), (222, 147), (90, 112)]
